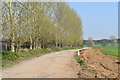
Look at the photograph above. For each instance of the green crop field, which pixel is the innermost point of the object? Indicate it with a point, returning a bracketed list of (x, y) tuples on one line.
[(109, 49)]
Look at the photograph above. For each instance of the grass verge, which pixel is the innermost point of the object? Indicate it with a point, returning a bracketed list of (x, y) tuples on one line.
[(83, 64), (78, 59)]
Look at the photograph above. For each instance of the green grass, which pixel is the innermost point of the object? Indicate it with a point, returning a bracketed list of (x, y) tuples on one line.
[(11, 58), (81, 62), (78, 59), (67, 48), (109, 49)]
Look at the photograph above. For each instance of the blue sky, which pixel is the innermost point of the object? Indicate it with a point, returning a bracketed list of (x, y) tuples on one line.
[(99, 19)]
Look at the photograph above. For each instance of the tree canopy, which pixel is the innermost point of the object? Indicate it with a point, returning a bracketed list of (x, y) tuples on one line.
[(40, 25)]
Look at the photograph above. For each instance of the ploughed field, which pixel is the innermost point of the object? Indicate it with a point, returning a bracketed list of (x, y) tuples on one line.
[(98, 65)]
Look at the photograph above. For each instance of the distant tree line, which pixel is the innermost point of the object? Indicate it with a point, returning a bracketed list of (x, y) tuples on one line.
[(39, 25), (103, 42)]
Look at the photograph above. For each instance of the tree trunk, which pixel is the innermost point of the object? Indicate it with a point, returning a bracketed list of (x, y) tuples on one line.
[(34, 45), (39, 45), (12, 27), (18, 46), (30, 42), (56, 43), (6, 46), (12, 43)]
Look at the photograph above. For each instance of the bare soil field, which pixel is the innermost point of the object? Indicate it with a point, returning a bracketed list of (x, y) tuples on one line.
[(98, 65)]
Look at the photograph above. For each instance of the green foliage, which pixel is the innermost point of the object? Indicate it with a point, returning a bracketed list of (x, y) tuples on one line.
[(69, 28), (67, 48), (40, 24)]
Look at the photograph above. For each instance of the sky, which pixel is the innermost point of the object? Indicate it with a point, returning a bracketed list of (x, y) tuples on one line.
[(99, 19)]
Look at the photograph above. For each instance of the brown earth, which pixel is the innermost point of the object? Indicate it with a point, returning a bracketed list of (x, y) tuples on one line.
[(98, 65)]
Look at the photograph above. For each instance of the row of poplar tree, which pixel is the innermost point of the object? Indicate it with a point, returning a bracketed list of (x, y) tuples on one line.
[(41, 24)]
